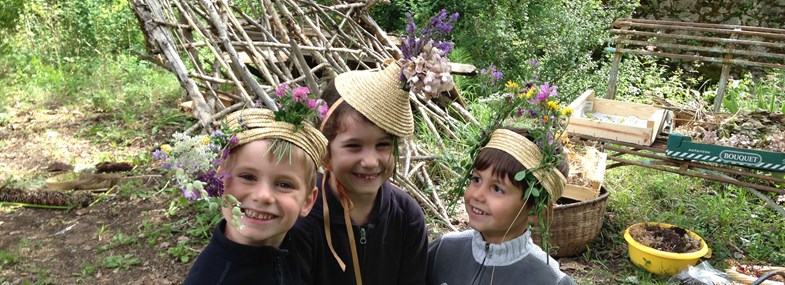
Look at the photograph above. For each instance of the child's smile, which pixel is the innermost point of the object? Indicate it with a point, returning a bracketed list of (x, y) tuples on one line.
[(361, 156), (258, 216), (272, 193), (495, 207)]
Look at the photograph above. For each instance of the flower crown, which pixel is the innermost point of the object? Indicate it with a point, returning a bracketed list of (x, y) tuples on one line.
[(534, 108), (194, 161), (425, 67)]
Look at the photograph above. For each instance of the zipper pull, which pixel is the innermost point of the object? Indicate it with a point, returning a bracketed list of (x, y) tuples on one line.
[(363, 240), (487, 249)]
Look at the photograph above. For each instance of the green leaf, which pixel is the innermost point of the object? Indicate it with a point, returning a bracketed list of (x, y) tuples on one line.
[(520, 176)]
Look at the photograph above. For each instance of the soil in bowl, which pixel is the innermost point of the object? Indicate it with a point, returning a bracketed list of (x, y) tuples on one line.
[(674, 239)]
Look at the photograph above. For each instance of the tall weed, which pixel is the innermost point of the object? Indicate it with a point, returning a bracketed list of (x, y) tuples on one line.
[(752, 94)]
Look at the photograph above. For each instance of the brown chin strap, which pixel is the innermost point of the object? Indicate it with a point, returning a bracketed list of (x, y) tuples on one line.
[(347, 206)]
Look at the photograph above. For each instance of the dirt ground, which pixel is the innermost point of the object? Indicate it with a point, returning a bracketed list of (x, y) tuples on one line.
[(47, 246)]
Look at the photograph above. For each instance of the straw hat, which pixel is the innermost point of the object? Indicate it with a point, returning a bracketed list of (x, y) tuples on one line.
[(379, 97), (528, 154), (257, 124)]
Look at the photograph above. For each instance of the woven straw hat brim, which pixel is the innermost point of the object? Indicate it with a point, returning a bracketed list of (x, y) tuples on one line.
[(259, 124), (530, 156), (379, 97)]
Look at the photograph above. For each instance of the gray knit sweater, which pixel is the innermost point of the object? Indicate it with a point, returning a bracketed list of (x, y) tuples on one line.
[(465, 258)]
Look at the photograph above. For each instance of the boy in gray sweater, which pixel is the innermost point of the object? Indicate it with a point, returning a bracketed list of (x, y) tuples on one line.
[(499, 248)]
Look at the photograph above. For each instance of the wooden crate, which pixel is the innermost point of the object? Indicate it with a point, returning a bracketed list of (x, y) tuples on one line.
[(655, 119)]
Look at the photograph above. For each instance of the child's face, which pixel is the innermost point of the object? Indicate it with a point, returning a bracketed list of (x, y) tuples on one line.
[(492, 204), (272, 195), (361, 156)]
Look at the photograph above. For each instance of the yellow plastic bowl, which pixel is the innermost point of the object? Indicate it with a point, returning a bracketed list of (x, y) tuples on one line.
[(662, 262)]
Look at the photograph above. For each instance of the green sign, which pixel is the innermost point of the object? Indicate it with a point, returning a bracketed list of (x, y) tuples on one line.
[(682, 147)]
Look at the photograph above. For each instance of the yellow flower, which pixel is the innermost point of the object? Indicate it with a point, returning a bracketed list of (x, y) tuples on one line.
[(206, 140), (530, 92), (567, 111), (511, 85), (166, 148), (553, 105)]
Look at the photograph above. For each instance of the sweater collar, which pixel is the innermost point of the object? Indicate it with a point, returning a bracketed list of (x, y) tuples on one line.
[(503, 254), (244, 253)]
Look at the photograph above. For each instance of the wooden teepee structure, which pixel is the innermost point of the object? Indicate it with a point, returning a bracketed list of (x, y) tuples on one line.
[(227, 55)]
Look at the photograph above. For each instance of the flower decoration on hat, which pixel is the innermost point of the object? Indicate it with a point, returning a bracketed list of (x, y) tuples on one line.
[(535, 107), (194, 160), (296, 105), (425, 67)]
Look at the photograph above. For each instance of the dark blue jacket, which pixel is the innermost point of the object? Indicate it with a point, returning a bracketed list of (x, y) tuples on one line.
[(226, 262)]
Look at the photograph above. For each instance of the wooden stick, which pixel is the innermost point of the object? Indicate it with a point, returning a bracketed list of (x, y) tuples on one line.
[(466, 115), (237, 65), (435, 195), (185, 9), (162, 38), (303, 67)]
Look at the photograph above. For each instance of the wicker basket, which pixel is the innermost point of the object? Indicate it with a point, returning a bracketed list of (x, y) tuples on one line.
[(742, 278), (575, 225)]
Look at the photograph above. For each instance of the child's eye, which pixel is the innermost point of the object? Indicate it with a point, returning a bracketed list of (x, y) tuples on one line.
[(476, 179), (248, 177), (383, 144), (497, 189), (352, 146), (285, 185)]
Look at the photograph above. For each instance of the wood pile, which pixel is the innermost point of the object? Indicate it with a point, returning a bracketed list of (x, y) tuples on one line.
[(229, 55)]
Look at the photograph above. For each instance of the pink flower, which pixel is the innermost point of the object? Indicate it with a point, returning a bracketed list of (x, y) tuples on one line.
[(280, 91), (299, 94), (322, 109), (546, 90), (311, 103)]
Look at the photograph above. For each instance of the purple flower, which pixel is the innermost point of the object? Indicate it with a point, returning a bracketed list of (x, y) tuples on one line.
[(158, 154), (534, 63), (225, 152), (280, 91), (546, 90), (454, 17), (190, 195), (411, 28), (497, 75), (214, 185), (494, 74), (300, 94)]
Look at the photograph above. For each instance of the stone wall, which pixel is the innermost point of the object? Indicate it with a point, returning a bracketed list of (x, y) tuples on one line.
[(760, 13)]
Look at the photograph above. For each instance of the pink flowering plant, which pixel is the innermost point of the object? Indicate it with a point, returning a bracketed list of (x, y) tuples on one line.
[(296, 105), (425, 67)]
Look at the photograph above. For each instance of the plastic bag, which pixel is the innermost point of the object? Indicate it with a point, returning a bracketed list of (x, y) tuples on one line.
[(702, 274)]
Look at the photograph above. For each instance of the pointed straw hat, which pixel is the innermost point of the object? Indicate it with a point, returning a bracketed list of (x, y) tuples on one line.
[(528, 154), (258, 124), (379, 97)]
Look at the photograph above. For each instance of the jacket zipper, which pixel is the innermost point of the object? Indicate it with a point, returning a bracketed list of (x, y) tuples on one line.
[(278, 273), (482, 265), (363, 239)]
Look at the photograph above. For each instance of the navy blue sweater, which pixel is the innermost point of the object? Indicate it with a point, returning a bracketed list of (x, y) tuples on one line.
[(226, 262), (392, 247)]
